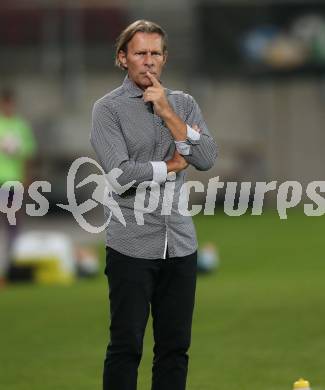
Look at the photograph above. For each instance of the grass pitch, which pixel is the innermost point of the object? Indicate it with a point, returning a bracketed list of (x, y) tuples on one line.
[(258, 324)]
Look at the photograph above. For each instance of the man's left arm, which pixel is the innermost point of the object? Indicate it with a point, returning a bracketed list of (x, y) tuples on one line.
[(198, 147), (192, 137)]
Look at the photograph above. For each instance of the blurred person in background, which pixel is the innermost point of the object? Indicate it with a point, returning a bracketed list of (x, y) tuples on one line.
[(152, 134), (17, 147)]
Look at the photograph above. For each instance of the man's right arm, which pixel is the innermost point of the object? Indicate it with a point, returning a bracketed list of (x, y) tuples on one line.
[(109, 144)]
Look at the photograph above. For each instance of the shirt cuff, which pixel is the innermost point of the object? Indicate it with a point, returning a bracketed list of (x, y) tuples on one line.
[(159, 171), (192, 134), (184, 147)]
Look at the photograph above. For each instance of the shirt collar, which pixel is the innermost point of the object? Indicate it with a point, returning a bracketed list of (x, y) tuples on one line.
[(132, 89)]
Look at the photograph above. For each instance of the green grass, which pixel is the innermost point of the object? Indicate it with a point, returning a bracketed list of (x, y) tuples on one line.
[(258, 324)]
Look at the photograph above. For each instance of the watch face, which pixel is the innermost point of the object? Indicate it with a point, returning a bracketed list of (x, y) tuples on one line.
[(171, 176)]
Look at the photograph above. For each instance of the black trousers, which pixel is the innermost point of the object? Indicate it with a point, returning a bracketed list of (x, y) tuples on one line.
[(136, 285)]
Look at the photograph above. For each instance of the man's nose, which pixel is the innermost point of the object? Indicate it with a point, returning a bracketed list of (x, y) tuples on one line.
[(148, 59)]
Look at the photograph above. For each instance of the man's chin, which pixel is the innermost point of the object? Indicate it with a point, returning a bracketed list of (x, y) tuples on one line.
[(144, 82)]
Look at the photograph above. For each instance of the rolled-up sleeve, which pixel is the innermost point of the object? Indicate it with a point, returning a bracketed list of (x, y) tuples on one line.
[(183, 147), (106, 137), (202, 151)]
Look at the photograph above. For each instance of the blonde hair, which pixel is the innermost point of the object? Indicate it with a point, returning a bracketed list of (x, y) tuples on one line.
[(128, 33)]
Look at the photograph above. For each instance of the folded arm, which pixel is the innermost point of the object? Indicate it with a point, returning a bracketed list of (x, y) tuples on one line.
[(199, 148), (109, 144)]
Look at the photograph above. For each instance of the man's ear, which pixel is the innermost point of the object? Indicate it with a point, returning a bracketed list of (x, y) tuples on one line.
[(122, 58), (165, 57)]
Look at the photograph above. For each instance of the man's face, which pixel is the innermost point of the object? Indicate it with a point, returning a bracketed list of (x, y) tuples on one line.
[(144, 53)]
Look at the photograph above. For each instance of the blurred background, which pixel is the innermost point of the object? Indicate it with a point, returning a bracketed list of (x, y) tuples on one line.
[(257, 70)]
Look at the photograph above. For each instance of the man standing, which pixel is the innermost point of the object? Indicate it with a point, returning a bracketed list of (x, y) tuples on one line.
[(17, 146), (152, 134)]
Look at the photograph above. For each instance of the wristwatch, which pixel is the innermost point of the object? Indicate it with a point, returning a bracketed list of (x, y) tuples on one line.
[(171, 176)]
